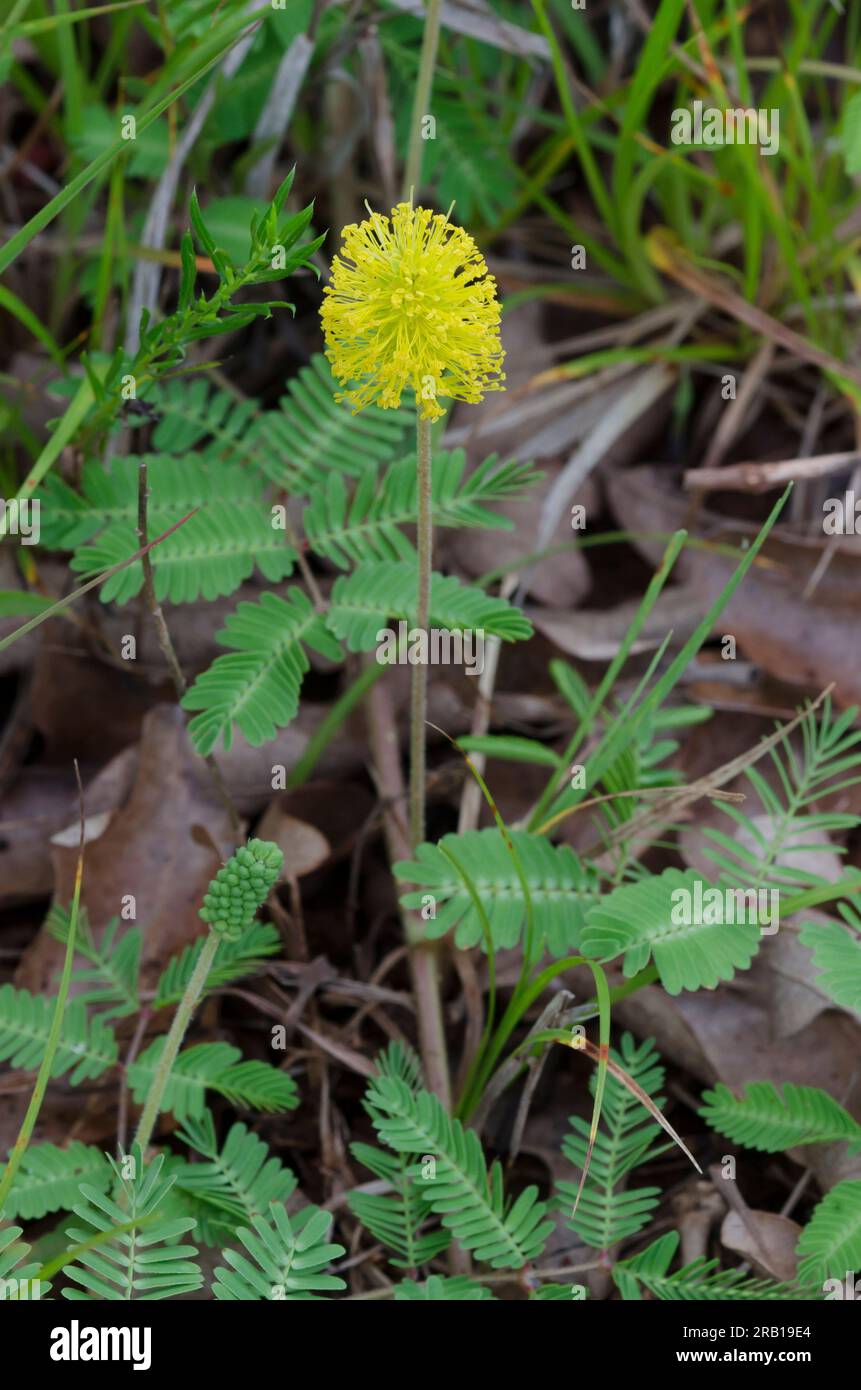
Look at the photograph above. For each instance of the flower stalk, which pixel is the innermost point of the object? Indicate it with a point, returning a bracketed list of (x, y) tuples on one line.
[(170, 1051), (424, 955), (418, 695), (239, 888), (410, 307)]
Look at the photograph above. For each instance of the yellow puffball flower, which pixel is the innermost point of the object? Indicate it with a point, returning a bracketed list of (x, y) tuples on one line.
[(411, 304)]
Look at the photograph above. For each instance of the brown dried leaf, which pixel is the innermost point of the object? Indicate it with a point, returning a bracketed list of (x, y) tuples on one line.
[(305, 849), (764, 1238), (147, 851)]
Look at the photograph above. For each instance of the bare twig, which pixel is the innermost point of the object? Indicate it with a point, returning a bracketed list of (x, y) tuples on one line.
[(761, 477)]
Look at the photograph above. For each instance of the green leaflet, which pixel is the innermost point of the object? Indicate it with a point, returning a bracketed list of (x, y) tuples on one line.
[(438, 1289), (255, 688), (141, 1262), (191, 409), (770, 1120), (829, 761), (26, 1285), (288, 1259), (645, 920), (111, 978), (471, 165), (396, 1220), (837, 954), (87, 1046), (348, 529), (699, 1281), (208, 557), (235, 1184), (48, 1178), (609, 1210), (233, 959), (830, 1243), (561, 888), (364, 601), (460, 1188), (216, 1067), (311, 434)]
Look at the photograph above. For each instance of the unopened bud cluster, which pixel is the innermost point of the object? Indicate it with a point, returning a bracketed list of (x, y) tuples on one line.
[(241, 887)]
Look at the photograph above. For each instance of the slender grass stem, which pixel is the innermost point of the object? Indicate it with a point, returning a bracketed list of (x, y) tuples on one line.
[(44, 1075)]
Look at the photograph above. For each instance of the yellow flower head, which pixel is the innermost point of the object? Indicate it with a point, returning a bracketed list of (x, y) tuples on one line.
[(412, 304)]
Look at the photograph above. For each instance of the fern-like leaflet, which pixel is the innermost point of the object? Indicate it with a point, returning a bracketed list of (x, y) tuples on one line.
[(365, 600), (349, 529), (830, 1243), (140, 1258), (18, 1281), (217, 1067), (288, 1257), (236, 1183), (256, 686), (561, 888), (469, 1198), (437, 1289), (311, 433), (608, 1212), (646, 920), (770, 1120), (87, 1046), (233, 960), (49, 1177), (111, 979), (837, 955), (210, 555), (699, 1281), (396, 1220), (829, 762)]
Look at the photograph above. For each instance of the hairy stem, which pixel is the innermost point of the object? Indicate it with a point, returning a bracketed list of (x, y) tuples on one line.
[(178, 1030), (424, 84), (424, 955)]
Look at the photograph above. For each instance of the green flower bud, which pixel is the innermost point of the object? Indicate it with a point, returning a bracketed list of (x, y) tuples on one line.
[(240, 887)]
